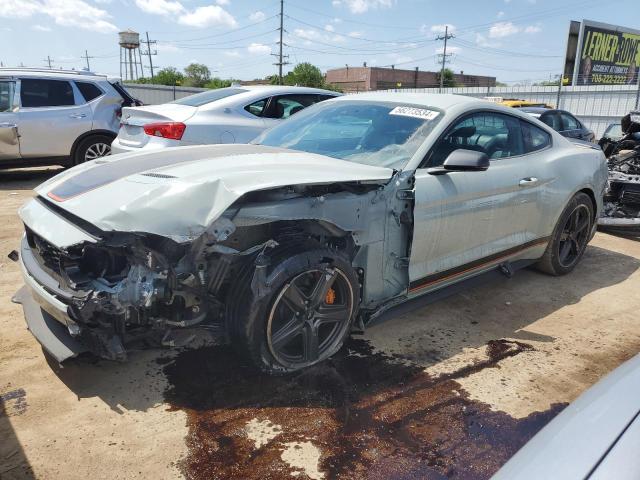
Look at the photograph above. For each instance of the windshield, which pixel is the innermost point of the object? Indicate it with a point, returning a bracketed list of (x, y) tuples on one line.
[(374, 133), (203, 98)]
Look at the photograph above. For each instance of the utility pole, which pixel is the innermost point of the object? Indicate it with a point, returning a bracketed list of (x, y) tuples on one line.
[(87, 57), (444, 54), (149, 52), (281, 57), (48, 60)]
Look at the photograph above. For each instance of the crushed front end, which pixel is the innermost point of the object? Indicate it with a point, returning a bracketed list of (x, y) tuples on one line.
[(621, 211), (122, 291)]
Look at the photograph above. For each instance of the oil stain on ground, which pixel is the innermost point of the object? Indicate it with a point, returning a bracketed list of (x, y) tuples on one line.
[(369, 415)]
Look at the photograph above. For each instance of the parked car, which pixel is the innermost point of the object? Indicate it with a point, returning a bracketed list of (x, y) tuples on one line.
[(57, 117), (596, 437), (227, 115), (610, 137), (283, 246), (561, 121), (516, 103)]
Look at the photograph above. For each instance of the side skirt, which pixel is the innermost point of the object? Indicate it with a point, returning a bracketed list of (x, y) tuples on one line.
[(409, 304)]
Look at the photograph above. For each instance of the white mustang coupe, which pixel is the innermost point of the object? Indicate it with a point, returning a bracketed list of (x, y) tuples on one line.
[(282, 247)]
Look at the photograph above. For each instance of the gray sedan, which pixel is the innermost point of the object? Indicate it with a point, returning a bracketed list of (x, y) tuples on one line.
[(226, 115)]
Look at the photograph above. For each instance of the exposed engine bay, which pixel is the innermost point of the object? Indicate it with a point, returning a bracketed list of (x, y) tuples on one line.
[(622, 200), (131, 289)]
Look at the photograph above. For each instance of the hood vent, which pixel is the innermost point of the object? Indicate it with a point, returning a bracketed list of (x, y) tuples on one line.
[(158, 175)]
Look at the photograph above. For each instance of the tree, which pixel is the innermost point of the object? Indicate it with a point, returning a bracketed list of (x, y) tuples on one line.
[(216, 82), (168, 76), (196, 75), (449, 78), (303, 75)]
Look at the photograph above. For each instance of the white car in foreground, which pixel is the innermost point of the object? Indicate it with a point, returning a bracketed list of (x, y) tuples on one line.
[(597, 437), (226, 115)]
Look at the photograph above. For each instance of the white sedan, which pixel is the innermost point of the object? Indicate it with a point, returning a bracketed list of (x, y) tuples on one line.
[(226, 115)]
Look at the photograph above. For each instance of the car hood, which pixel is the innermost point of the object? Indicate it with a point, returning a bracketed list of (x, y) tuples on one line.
[(178, 192)]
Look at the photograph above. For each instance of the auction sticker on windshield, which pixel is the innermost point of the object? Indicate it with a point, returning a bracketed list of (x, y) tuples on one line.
[(422, 113)]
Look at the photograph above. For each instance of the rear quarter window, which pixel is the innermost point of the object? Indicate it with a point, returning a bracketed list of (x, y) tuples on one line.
[(88, 90), (534, 138)]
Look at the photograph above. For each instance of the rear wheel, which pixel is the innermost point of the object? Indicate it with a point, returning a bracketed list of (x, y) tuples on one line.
[(570, 237), (92, 147), (305, 315)]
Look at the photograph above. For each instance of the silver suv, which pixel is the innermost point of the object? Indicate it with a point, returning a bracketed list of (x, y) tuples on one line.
[(57, 117)]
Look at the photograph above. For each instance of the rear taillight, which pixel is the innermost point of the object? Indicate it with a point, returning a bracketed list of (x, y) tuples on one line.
[(171, 130)]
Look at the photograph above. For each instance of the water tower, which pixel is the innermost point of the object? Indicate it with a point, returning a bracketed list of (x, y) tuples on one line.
[(130, 55)]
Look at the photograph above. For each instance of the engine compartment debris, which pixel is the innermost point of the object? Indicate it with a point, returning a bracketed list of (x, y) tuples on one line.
[(621, 211)]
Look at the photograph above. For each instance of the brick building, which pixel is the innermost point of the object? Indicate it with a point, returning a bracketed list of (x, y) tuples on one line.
[(358, 79)]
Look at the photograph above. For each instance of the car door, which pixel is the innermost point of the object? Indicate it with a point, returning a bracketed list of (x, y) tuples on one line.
[(51, 117), (9, 140), (463, 221)]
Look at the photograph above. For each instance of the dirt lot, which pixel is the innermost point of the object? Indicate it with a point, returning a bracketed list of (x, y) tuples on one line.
[(448, 390)]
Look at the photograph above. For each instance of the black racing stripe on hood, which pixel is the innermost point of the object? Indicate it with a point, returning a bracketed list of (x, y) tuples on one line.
[(112, 171)]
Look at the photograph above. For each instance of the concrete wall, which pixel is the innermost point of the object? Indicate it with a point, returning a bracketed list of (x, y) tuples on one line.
[(156, 94)]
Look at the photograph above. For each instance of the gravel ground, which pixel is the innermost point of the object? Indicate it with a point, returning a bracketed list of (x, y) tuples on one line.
[(450, 390)]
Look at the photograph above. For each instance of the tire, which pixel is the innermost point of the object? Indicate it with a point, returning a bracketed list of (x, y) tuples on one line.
[(92, 147), (258, 319), (571, 234)]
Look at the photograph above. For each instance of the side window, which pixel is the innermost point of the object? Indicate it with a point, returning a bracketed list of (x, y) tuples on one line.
[(553, 120), (7, 90), (497, 135), (45, 93), (257, 108), (534, 138), (570, 123), (88, 90), (286, 105)]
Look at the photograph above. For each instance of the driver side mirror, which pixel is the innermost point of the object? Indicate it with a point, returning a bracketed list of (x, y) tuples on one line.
[(462, 160)]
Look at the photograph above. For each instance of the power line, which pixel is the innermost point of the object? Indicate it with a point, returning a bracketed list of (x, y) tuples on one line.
[(281, 61), (150, 53), (445, 57), (87, 57)]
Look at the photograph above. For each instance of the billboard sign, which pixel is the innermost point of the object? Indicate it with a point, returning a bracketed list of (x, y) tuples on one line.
[(607, 55)]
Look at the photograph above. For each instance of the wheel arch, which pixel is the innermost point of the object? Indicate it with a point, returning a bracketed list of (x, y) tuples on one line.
[(88, 134)]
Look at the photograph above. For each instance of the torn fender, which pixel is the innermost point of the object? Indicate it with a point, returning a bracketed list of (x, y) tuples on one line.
[(179, 192)]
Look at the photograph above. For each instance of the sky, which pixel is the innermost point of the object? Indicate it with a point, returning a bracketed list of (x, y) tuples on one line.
[(517, 41)]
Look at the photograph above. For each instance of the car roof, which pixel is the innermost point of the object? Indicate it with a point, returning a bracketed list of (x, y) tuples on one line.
[(51, 73), (275, 89), (437, 100), (538, 110)]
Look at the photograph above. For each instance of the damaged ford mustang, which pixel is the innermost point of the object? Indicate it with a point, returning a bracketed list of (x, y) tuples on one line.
[(284, 246)]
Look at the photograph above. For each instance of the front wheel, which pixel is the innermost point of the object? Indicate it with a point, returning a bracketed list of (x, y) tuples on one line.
[(570, 237), (305, 315)]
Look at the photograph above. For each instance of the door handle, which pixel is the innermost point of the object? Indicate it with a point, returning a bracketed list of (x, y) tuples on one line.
[(8, 125), (77, 115), (528, 182)]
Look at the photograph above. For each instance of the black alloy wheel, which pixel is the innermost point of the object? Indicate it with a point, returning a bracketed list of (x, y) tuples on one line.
[(309, 317), (574, 236)]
